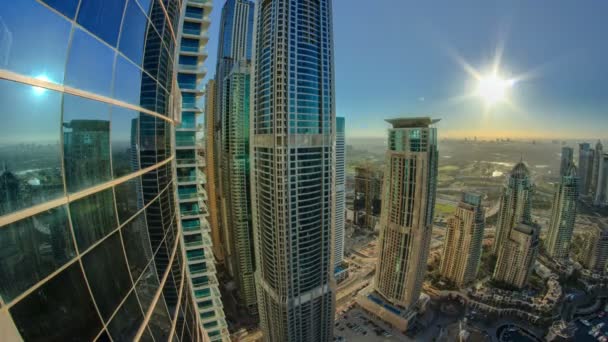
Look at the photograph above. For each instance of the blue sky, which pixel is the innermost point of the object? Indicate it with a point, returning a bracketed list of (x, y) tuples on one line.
[(398, 58)]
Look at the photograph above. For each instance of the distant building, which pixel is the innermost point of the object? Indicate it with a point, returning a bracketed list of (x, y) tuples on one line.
[(598, 155), (563, 215), (585, 166), (407, 214), (515, 203), (463, 241), (368, 193), (567, 160), (340, 192), (595, 251), (561, 331), (516, 255), (601, 192)]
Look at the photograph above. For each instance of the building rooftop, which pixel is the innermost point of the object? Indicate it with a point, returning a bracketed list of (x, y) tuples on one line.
[(526, 228), (412, 122)]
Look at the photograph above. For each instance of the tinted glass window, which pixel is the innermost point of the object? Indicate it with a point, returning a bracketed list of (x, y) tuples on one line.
[(127, 82), (102, 18), (30, 150), (31, 249), (127, 320), (93, 218), (137, 245), (107, 273), (133, 33), (60, 310), (89, 64), (147, 286), (67, 7), (125, 154), (128, 198), (86, 142), (31, 51), (160, 323)]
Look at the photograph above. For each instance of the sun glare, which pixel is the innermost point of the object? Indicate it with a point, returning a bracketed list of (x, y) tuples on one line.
[(493, 89)]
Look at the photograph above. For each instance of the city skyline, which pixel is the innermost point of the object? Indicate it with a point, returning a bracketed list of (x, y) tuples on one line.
[(421, 75)]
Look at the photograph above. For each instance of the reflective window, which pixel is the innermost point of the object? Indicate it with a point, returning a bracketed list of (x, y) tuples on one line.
[(137, 245), (160, 323), (31, 249), (129, 198), (89, 64), (127, 83), (125, 154), (60, 310), (86, 142), (102, 18), (28, 50), (30, 150), (127, 320), (107, 274), (147, 286), (133, 33), (93, 218), (67, 7)]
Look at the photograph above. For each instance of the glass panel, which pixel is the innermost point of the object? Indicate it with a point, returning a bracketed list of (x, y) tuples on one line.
[(127, 320), (88, 54), (160, 323), (30, 151), (127, 83), (125, 152), (145, 4), (60, 310), (86, 142), (137, 245), (67, 7), (93, 218), (133, 33), (102, 18), (147, 286), (31, 249), (29, 51), (129, 198), (106, 271), (104, 337)]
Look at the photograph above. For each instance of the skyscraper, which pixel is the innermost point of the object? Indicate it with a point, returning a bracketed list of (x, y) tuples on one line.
[(340, 192), (235, 177), (595, 250), (563, 215), (515, 203), (598, 154), (234, 47), (566, 160), (210, 171), (516, 255), (293, 134), (463, 241), (601, 192), (190, 168), (368, 193), (585, 167), (93, 248), (408, 193)]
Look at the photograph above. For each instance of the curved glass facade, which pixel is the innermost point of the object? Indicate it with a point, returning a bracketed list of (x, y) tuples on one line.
[(90, 245)]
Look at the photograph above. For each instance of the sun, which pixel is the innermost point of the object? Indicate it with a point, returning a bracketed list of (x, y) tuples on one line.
[(493, 88)]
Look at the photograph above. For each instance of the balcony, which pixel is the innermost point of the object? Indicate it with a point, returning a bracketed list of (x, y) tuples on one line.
[(206, 4), (196, 68), (185, 141)]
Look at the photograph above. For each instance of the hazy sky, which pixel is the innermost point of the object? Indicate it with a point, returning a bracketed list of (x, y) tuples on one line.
[(400, 58)]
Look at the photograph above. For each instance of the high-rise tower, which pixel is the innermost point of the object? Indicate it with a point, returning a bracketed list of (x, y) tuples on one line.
[(563, 215), (408, 202), (515, 203), (601, 192), (598, 154), (91, 245), (595, 248), (292, 155), (585, 167), (235, 178), (191, 167), (463, 241), (516, 255), (567, 159), (340, 192), (234, 47)]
